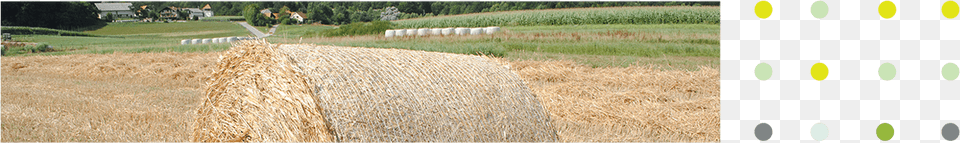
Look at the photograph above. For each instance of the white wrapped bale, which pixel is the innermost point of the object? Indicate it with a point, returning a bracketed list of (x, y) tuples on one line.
[(232, 39), (460, 31), (215, 40), (221, 40), (491, 30), (410, 32), (388, 33), (205, 41), (399, 32), (435, 31), (423, 32), (195, 41), (447, 31), (185, 42), (476, 31)]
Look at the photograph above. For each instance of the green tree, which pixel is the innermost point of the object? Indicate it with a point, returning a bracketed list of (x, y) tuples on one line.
[(108, 18), (252, 14)]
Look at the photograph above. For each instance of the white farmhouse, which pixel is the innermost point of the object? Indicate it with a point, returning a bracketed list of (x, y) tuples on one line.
[(194, 12), (298, 16), (117, 9), (207, 11)]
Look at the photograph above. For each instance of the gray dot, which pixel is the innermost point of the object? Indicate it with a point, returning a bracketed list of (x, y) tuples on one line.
[(763, 131), (950, 131)]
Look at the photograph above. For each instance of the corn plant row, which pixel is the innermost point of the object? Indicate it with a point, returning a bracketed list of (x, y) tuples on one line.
[(441, 31), (618, 15), (214, 40)]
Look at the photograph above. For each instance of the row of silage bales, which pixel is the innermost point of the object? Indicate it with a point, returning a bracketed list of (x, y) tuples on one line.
[(441, 31), (185, 42), (205, 41), (195, 41), (214, 40)]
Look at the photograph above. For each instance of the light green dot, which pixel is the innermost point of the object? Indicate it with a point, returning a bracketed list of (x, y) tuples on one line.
[(887, 71), (819, 9), (763, 71), (950, 71), (819, 132), (885, 132)]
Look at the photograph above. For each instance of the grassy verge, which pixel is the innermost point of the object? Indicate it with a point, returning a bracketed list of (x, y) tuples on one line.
[(176, 30), (20, 30)]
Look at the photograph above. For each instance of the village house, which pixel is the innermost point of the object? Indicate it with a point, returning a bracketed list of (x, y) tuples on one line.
[(299, 16), (117, 9)]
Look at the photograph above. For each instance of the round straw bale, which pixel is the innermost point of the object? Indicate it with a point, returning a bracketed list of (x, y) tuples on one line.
[(388, 33), (435, 31), (185, 42), (491, 30), (399, 32), (195, 41), (410, 32), (257, 94), (423, 32), (446, 31), (263, 92), (476, 31)]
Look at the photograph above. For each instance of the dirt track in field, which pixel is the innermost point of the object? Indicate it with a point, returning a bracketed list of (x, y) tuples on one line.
[(153, 96)]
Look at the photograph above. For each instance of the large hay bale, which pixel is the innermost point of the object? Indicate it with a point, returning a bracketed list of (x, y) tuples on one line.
[(461, 31), (388, 33), (195, 41), (366, 95), (446, 31), (491, 30), (422, 32), (205, 41), (435, 31), (476, 31), (184, 41), (258, 94)]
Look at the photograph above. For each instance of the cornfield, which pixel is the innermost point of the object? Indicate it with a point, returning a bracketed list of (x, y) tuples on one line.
[(616, 15)]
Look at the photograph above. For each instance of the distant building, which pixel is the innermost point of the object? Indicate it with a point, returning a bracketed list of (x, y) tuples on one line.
[(117, 9), (299, 16), (194, 12), (170, 12), (207, 11)]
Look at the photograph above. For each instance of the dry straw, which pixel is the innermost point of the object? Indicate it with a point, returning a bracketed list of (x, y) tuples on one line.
[(267, 92)]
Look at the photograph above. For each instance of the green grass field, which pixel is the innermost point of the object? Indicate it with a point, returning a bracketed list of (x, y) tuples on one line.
[(139, 37)]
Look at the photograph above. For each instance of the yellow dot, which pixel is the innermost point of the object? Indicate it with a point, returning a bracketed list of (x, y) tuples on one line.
[(950, 9), (887, 9), (763, 9), (819, 71)]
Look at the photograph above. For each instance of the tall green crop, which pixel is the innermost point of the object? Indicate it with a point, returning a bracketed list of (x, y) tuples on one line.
[(616, 15)]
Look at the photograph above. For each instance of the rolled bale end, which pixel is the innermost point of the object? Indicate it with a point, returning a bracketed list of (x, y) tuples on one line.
[(399, 32), (410, 32), (195, 41), (476, 31), (262, 92), (423, 32), (185, 42), (388, 33), (435, 31), (491, 30), (256, 94), (447, 31)]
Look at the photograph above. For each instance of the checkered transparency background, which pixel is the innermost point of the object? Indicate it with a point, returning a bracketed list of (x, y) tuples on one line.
[(853, 40)]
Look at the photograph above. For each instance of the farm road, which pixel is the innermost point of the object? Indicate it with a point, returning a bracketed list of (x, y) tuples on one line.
[(257, 32)]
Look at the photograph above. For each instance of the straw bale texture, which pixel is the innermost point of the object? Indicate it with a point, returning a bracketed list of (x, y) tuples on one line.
[(388, 33), (257, 94), (266, 92)]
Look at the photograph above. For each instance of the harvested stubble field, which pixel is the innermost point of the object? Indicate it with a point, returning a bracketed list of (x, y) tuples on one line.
[(155, 96)]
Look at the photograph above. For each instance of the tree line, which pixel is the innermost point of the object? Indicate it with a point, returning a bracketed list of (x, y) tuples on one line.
[(56, 15)]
